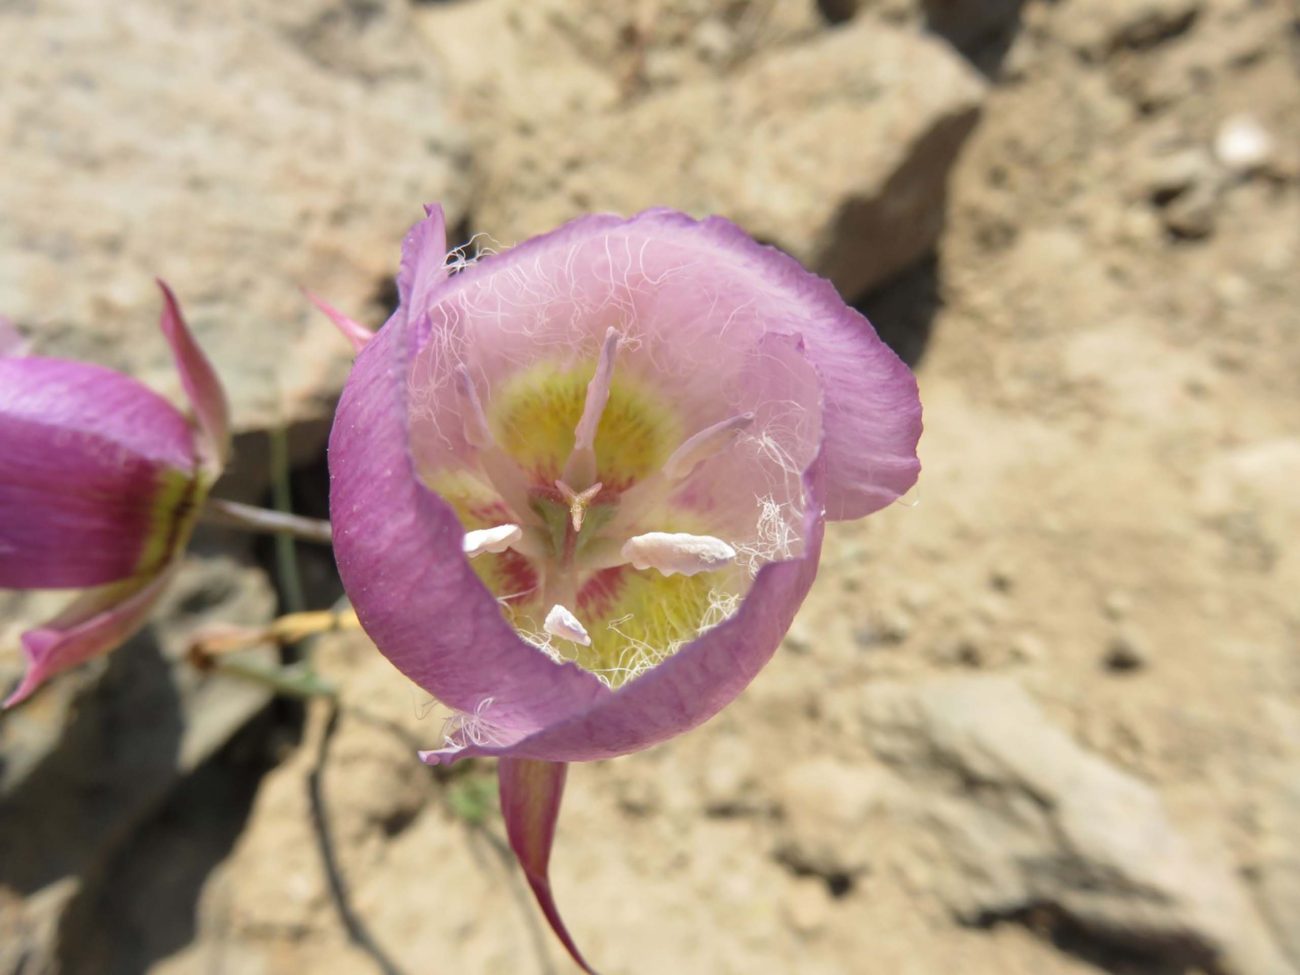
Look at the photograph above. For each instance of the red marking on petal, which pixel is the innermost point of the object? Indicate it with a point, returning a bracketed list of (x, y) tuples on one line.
[(601, 591), (516, 573)]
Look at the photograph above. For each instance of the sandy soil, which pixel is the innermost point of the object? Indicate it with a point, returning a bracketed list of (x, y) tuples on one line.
[(1043, 718)]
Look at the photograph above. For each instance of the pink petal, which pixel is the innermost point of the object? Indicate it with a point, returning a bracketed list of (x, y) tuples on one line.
[(98, 621), (689, 687), (685, 292), (202, 386), (530, 803), (399, 549), (356, 333), (707, 313), (95, 467), (424, 261)]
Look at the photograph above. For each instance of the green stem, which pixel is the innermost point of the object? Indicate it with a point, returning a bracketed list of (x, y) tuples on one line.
[(286, 556), (296, 680)]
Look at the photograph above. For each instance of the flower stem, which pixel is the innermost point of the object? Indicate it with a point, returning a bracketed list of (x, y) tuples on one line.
[(295, 680), (286, 558), (233, 514)]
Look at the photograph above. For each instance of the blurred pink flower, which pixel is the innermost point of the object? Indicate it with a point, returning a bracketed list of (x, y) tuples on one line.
[(578, 488), (101, 480)]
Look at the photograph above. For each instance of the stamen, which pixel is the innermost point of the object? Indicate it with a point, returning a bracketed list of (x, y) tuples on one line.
[(704, 445), (578, 501), (562, 623), (678, 552), (496, 539), (580, 468), (477, 431)]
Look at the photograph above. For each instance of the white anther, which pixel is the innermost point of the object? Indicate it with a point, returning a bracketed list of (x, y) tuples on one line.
[(704, 445), (678, 552), (581, 466), (474, 420), (496, 539), (562, 623)]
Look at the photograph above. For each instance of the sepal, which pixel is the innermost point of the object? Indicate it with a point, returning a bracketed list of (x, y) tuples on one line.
[(530, 803)]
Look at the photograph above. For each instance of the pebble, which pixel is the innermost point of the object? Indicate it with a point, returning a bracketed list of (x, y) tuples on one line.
[(1126, 653), (1117, 604), (807, 906), (1242, 145)]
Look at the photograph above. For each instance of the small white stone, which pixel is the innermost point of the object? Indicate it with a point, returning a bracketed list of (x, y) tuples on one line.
[(496, 539), (1242, 144), (678, 552), (562, 623)]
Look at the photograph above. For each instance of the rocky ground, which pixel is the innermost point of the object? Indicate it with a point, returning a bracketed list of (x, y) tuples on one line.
[(1044, 718)]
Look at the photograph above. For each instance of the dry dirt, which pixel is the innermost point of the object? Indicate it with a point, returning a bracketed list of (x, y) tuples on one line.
[(1044, 718)]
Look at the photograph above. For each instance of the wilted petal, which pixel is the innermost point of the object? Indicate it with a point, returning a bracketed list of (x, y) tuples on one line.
[(98, 621), (530, 804), (95, 475), (202, 387)]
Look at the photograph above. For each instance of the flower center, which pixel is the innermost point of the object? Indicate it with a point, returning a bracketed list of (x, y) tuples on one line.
[(585, 516)]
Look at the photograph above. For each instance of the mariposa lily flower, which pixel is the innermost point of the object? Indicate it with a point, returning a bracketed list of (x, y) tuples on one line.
[(101, 480), (578, 488)]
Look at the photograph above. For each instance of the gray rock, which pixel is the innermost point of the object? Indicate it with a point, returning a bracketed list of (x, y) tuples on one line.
[(857, 207), (98, 748), (1279, 870), (1097, 27), (1026, 818), (239, 151), (826, 805)]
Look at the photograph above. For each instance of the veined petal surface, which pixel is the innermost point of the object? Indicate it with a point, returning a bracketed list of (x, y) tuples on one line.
[(95, 474), (202, 387)]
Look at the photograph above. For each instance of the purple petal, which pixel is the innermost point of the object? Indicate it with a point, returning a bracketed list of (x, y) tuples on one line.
[(399, 552), (98, 621), (424, 260), (687, 293), (689, 687), (872, 406), (95, 474), (530, 803), (201, 384), (688, 278)]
